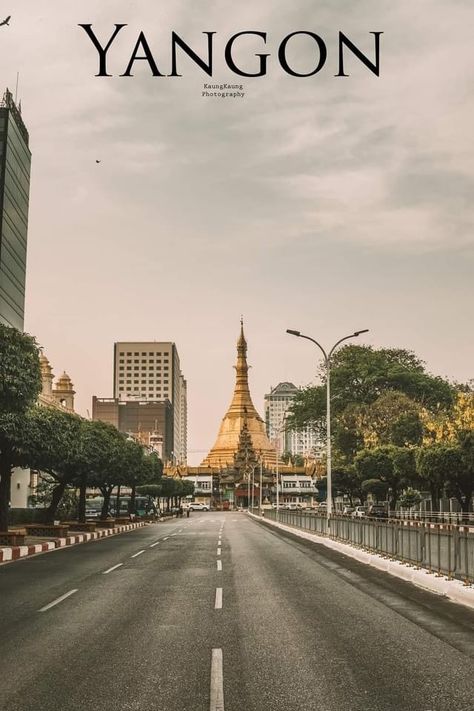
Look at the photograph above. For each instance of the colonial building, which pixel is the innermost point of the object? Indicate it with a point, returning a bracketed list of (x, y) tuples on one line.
[(59, 395)]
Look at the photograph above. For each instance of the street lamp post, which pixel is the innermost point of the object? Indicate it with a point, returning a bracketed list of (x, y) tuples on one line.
[(261, 486), (327, 363)]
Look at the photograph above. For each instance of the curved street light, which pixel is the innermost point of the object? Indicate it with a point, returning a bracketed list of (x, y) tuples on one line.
[(327, 363)]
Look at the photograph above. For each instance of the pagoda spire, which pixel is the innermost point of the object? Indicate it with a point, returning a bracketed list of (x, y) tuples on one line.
[(242, 429)]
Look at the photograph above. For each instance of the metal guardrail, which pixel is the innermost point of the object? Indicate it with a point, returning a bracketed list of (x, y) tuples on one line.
[(441, 548)]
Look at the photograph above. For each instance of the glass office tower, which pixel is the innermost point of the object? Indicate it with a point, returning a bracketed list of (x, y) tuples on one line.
[(15, 162)]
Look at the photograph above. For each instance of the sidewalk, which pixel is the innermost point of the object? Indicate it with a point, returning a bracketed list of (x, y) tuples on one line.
[(455, 590), (40, 545)]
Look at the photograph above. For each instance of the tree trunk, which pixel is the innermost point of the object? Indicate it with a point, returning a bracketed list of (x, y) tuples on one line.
[(117, 501), (81, 512), (58, 492), (133, 508), (5, 483), (107, 492)]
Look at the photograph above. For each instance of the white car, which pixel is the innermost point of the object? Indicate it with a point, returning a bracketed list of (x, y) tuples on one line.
[(359, 512), (198, 507)]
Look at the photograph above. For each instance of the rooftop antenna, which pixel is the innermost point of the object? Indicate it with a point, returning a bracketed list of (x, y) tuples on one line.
[(16, 87)]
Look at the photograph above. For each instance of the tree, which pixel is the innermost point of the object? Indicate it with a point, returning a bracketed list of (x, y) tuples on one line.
[(410, 498), (188, 488), (393, 418), (20, 385), (109, 468), (460, 478), (346, 482), (360, 375), (388, 465), (52, 445), (168, 489), (20, 372), (433, 465)]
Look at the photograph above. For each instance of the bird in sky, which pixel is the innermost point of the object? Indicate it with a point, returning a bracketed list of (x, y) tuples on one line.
[(97, 161), (6, 21)]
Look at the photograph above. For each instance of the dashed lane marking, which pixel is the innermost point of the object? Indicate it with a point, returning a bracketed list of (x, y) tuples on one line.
[(219, 565), (58, 600), (114, 567), (219, 551), (218, 604), (217, 681), (154, 544), (135, 554)]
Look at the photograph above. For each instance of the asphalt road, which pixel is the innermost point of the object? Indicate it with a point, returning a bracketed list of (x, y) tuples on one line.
[(261, 621)]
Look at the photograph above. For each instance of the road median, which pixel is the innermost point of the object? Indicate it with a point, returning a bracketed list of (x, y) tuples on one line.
[(9, 554)]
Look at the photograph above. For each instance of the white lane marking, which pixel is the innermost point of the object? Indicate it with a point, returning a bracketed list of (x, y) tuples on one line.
[(219, 565), (180, 530), (154, 544), (218, 605), (173, 534), (166, 538), (218, 551), (217, 681), (114, 567), (59, 599), (135, 554)]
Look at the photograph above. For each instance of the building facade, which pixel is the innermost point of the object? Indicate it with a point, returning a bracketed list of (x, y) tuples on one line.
[(150, 371), (15, 162), (149, 422), (60, 396), (303, 442)]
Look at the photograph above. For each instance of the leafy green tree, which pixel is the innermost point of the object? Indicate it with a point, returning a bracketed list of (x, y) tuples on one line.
[(460, 477), (52, 445), (20, 385), (434, 463), (377, 487), (188, 488), (168, 489), (346, 482), (360, 375), (20, 372), (389, 465), (410, 498)]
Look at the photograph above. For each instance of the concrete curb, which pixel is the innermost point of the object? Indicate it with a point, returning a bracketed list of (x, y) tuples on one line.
[(454, 590), (12, 553)]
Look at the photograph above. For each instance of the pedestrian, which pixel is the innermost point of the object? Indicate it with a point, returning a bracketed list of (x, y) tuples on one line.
[(188, 511)]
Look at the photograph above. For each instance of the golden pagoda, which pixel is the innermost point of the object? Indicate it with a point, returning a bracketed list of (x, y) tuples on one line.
[(241, 417)]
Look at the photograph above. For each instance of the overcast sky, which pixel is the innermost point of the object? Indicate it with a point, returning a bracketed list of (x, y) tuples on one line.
[(322, 204)]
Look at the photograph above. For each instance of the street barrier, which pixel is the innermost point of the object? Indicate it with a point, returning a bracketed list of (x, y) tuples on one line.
[(443, 549)]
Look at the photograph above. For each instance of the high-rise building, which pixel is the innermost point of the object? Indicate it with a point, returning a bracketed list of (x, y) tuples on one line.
[(277, 403), (15, 161), (150, 371), (151, 423)]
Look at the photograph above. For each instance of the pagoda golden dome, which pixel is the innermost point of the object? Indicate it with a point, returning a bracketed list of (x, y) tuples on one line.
[(241, 414)]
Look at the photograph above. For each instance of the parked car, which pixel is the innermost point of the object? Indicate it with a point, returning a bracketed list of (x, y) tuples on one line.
[(348, 510), (195, 506), (377, 511), (359, 512)]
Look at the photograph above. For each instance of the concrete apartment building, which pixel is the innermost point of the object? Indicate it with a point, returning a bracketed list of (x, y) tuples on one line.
[(15, 162), (150, 372), (277, 403)]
